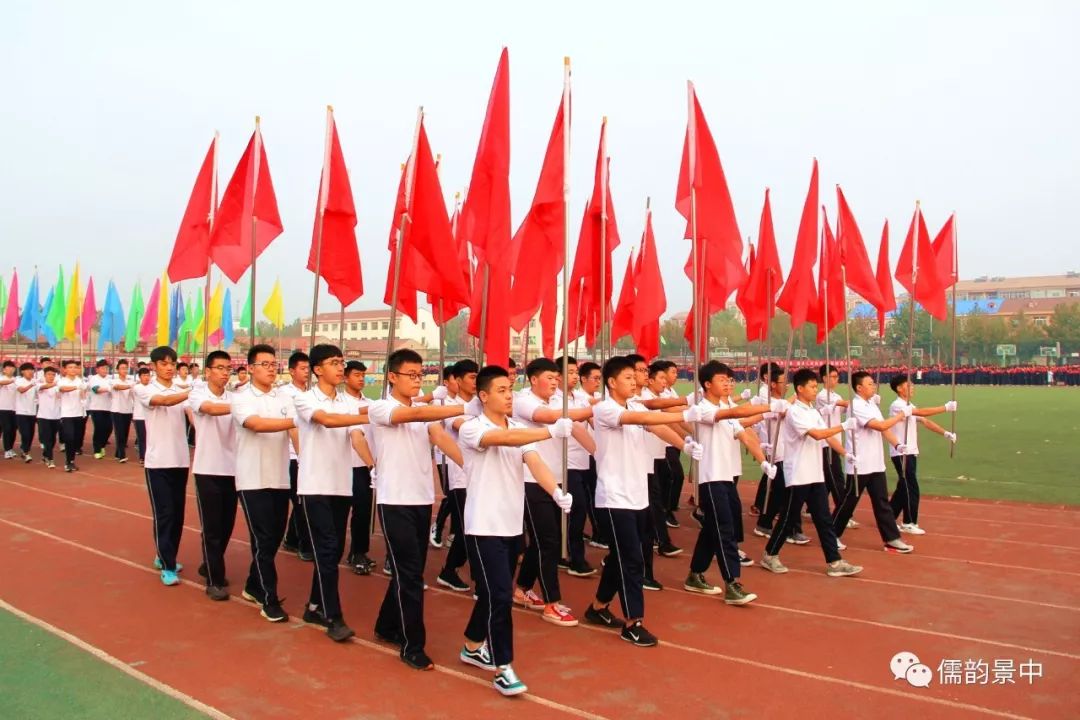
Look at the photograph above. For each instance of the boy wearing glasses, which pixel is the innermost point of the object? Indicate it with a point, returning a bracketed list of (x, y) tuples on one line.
[(167, 459)]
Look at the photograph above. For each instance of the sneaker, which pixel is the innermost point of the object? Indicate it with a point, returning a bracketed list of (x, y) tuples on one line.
[(99, 454), (840, 545), (389, 638), (563, 564), (70, 467), (362, 564), (289, 548), (762, 532), (699, 517), (852, 524), (273, 612), (528, 599), (480, 657), (638, 635), (735, 594), (157, 565), (50, 464), (598, 544), (772, 564), (745, 560), (696, 583), (799, 538), (912, 529), (603, 618), (313, 617), (449, 579), (557, 614), (842, 568), (582, 570), (338, 631), (671, 521), (386, 569), (433, 537), (305, 555), (251, 597), (755, 510), (805, 513), (169, 578), (418, 660), (26, 458), (651, 584), (898, 546), (216, 592), (121, 460), (507, 683), (669, 550)]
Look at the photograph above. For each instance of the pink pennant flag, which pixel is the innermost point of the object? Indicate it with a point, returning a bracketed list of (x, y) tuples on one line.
[(11, 315), (89, 312), (148, 327)]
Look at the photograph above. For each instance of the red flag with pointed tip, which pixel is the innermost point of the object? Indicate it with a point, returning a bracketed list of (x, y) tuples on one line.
[(338, 258), (248, 200), (884, 280), (858, 273), (442, 309), (622, 322), (766, 277), (917, 269), (831, 306), (799, 296), (191, 251), (650, 301), (945, 252)]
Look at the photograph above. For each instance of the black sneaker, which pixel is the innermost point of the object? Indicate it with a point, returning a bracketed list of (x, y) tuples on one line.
[(449, 579), (216, 592), (314, 617), (273, 612), (389, 638), (603, 618), (699, 517), (564, 564), (338, 631), (361, 564), (70, 467), (638, 635), (252, 596), (651, 584), (289, 547), (418, 660), (671, 521), (305, 555), (669, 550), (582, 570)]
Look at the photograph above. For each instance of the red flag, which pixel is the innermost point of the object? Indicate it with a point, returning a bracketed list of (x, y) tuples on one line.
[(650, 301), (485, 221), (917, 269), (248, 199), (831, 306), (858, 273), (622, 322), (338, 257), (799, 298), (443, 310), (586, 295), (540, 239), (191, 251), (945, 252), (765, 279), (884, 279), (714, 215)]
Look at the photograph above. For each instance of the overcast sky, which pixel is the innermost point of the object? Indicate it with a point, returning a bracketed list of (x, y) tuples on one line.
[(108, 108)]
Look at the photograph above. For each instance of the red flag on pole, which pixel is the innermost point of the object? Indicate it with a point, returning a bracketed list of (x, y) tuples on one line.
[(917, 269), (249, 195), (191, 251), (339, 258), (831, 306), (765, 279), (858, 273), (884, 280), (945, 252), (485, 221), (650, 302), (799, 297), (622, 322), (450, 308)]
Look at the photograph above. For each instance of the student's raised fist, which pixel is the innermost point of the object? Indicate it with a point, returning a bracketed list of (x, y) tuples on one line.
[(778, 405), (758, 400), (746, 394), (693, 414), (440, 393), (950, 406), (851, 424), (561, 428), (694, 449), (769, 469), (565, 501), (876, 399)]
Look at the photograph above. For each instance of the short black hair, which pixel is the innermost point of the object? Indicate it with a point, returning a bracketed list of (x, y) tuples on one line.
[(511, 364), (401, 357), (323, 352), (218, 355), (65, 363), (569, 361), (101, 363), (181, 365), (634, 359), (298, 357), (487, 374), (771, 372), (464, 367), (656, 368), (122, 361), (260, 349), (616, 365), (193, 366), (826, 369), (540, 365), (9, 363), (162, 352), (355, 366), (26, 366), (142, 370), (669, 364), (804, 375), (241, 368), (45, 358), (448, 371), (857, 377), (586, 368), (898, 380), (711, 369), (51, 369)]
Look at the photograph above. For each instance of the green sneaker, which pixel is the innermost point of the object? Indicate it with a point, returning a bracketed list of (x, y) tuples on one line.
[(734, 594), (696, 582)]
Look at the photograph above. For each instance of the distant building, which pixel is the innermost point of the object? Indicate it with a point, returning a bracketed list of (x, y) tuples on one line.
[(375, 325), (1039, 311), (1006, 288)]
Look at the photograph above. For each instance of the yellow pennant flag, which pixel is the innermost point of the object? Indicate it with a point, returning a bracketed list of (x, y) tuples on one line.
[(212, 317), (163, 311), (74, 306), (274, 309)]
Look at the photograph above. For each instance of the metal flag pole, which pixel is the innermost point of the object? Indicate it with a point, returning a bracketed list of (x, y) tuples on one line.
[(484, 315), (324, 194), (825, 320), (566, 284), (691, 132), (605, 329), (257, 155), (410, 170), (210, 230), (955, 278)]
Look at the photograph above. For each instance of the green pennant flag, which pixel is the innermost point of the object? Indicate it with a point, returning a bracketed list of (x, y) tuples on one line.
[(196, 322), (183, 338), (3, 296), (58, 312), (136, 310), (245, 314)]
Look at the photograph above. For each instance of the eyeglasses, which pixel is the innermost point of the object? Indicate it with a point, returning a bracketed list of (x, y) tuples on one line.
[(334, 362), (415, 376), (220, 367), (267, 364)]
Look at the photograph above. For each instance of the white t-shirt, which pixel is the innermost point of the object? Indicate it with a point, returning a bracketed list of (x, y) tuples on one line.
[(402, 456), (908, 436), (182, 383), (495, 504), (262, 459), (166, 433), (48, 400), (355, 403), (622, 462), (439, 457), (325, 467), (773, 427), (525, 406), (290, 391), (577, 458), (657, 447), (71, 402), (215, 451), (719, 438), (802, 459), (25, 402), (834, 418), (100, 393), (138, 412), (455, 475), (867, 442), (7, 393), (122, 401)]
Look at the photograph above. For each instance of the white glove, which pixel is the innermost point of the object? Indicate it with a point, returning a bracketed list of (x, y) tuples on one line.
[(758, 400), (778, 406), (769, 416), (908, 410), (766, 447), (564, 500), (769, 469), (950, 436), (827, 410), (440, 393), (852, 460), (876, 399), (902, 448), (693, 414), (694, 449), (561, 428), (597, 396), (950, 406), (746, 394), (851, 424)]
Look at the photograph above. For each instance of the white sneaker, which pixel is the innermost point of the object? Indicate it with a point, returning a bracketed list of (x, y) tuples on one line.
[(435, 542), (852, 524), (772, 564), (840, 545), (898, 546), (912, 529)]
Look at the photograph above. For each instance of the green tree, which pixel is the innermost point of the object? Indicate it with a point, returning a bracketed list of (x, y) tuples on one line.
[(1065, 326)]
